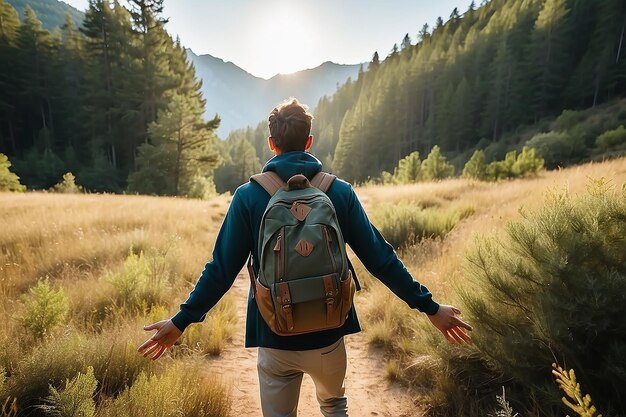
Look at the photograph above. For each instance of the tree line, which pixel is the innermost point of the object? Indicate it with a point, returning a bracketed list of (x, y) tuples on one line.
[(471, 81), (115, 101)]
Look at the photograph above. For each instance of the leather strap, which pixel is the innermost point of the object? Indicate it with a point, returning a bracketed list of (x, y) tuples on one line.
[(323, 181), (285, 302), (270, 181), (354, 277), (329, 289), (252, 277)]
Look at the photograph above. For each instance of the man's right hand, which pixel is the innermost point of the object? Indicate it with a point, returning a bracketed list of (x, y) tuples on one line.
[(453, 328), (167, 334)]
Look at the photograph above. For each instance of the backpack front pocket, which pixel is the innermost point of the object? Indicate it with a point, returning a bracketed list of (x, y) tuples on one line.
[(308, 304)]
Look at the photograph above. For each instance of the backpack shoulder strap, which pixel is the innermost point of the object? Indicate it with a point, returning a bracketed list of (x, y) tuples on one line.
[(270, 181), (323, 181)]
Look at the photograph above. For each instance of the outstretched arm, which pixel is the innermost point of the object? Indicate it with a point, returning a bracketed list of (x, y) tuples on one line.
[(381, 260), (233, 244)]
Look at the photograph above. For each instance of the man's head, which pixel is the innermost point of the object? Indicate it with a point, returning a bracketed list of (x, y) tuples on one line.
[(290, 127)]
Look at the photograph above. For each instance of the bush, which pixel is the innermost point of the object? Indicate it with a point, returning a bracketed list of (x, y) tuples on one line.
[(210, 336), (8, 180), (528, 163), (45, 309), (476, 167), (612, 139), (558, 148), (179, 391), (568, 119), (75, 399), (406, 223), (142, 282), (499, 170), (435, 166), (68, 185), (552, 287)]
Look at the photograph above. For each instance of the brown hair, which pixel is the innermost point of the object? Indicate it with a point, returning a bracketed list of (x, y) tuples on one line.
[(290, 125)]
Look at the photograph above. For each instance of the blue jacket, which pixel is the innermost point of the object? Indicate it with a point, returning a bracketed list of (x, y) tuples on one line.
[(239, 234)]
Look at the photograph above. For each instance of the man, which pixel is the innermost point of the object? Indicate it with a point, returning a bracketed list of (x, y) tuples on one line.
[(282, 360)]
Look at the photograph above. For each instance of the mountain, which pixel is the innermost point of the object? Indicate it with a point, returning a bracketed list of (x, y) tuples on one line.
[(241, 99), (50, 12)]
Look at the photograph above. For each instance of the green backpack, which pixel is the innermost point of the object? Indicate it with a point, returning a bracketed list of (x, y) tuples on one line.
[(305, 283)]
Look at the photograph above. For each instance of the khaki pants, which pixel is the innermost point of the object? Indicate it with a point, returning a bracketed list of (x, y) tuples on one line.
[(280, 377)]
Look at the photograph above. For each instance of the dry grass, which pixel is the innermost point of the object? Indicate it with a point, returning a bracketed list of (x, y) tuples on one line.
[(122, 262)]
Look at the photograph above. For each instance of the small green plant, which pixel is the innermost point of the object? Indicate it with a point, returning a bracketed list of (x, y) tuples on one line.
[(210, 337), (45, 309), (178, 391), (142, 281), (612, 139), (75, 399), (575, 400), (8, 180), (406, 223), (68, 185), (527, 163)]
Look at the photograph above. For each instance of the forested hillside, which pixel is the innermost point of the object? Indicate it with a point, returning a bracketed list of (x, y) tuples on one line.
[(115, 102), (472, 81), (50, 12)]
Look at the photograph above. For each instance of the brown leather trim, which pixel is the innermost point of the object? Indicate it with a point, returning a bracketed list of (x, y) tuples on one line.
[(304, 247), (300, 210), (323, 181), (270, 181), (284, 297)]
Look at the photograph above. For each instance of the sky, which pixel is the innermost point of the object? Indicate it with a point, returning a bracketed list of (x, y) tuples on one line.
[(267, 37)]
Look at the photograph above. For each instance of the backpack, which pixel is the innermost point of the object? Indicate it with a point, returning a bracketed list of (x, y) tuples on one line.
[(305, 282)]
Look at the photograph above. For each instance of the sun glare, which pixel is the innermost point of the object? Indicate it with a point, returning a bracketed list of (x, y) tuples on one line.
[(282, 40)]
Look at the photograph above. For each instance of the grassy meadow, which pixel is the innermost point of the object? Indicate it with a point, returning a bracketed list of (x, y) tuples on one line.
[(81, 274)]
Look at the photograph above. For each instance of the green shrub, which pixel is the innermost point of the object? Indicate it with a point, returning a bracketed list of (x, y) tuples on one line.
[(476, 167), (409, 169), (8, 180), (210, 336), (68, 185), (499, 170), (179, 391), (435, 166), (406, 223), (142, 282), (45, 309), (75, 399), (568, 119), (612, 139), (527, 163), (552, 286), (113, 357), (558, 148)]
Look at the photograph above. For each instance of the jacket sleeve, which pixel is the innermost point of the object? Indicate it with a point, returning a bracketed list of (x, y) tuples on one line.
[(233, 244), (381, 260)]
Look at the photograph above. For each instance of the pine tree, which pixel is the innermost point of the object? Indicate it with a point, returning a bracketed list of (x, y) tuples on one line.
[(8, 180), (9, 29), (435, 166), (476, 167), (182, 146), (409, 169)]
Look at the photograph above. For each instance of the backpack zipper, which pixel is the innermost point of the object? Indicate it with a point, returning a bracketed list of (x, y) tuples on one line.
[(328, 246), (277, 248)]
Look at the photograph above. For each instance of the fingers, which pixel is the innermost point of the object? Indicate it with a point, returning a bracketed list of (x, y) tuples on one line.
[(456, 310), (153, 326), (153, 349), (449, 337), (458, 322), (147, 344), (461, 333), (159, 353)]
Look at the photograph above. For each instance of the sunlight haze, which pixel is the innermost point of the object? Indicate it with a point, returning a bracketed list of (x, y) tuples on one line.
[(278, 36)]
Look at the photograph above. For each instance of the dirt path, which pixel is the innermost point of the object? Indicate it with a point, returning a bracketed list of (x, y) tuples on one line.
[(369, 394)]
